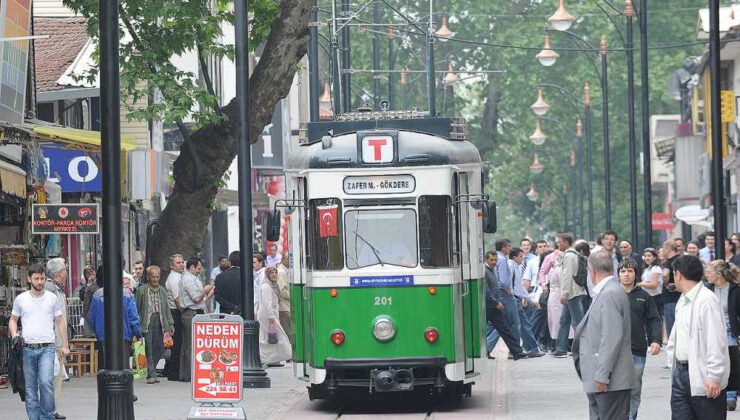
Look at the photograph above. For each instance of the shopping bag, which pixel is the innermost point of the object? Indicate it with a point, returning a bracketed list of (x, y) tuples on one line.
[(168, 341), (139, 359)]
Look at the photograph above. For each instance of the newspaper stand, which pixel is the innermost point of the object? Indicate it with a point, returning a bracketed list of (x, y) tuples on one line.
[(216, 373)]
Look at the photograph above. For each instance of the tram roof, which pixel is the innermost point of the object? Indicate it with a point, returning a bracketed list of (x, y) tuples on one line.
[(442, 142)]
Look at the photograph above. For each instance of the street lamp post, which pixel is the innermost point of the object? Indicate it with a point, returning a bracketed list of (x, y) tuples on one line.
[(604, 54), (646, 147), (629, 13), (115, 383), (253, 374), (587, 126), (720, 222)]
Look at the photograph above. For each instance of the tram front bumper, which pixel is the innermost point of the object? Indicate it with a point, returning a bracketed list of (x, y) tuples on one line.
[(386, 375)]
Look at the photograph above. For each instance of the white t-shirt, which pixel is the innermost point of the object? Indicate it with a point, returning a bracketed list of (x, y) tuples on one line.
[(215, 272), (37, 316), (647, 276)]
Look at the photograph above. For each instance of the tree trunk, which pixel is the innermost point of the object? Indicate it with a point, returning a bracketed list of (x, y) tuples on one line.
[(183, 223)]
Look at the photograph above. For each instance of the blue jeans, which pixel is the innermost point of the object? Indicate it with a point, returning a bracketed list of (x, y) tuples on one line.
[(492, 337), (573, 312), (538, 319), (38, 371), (525, 329), (669, 314), (639, 362), (511, 316), (686, 407)]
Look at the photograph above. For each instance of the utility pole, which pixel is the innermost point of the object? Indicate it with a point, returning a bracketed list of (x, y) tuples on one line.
[(647, 189), (253, 375), (720, 221), (115, 384), (629, 13)]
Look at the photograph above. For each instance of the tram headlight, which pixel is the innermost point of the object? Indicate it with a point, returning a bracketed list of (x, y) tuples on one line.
[(383, 329)]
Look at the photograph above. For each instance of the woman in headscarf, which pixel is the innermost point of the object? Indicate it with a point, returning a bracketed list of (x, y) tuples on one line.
[(274, 343)]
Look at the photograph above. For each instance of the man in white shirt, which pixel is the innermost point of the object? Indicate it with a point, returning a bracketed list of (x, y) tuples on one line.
[(223, 265), (57, 274), (177, 266), (39, 310), (273, 258), (707, 253), (697, 347), (537, 316), (192, 299)]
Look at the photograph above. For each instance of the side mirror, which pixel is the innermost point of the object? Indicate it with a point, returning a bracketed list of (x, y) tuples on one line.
[(273, 225), (489, 217)]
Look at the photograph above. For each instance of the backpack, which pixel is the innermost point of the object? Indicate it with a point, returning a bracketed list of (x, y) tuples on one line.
[(582, 272)]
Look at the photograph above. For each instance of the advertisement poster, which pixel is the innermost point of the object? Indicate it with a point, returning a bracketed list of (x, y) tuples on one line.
[(217, 358), (65, 219)]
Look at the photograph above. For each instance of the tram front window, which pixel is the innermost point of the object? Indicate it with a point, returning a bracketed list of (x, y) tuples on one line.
[(380, 237)]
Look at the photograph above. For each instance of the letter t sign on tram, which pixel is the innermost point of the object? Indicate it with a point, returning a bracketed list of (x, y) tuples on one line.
[(377, 149)]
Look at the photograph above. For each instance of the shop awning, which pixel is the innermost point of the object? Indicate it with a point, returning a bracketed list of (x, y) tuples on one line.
[(12, 179), (83, 139)]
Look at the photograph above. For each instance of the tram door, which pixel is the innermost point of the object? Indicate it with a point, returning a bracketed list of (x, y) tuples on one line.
[(463, 228), (299, 264)]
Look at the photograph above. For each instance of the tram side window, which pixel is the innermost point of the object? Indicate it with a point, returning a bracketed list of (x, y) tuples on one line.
[(434, 230), (325, 222)]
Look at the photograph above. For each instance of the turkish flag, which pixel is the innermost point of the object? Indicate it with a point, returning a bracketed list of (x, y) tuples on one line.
[(328, 221)]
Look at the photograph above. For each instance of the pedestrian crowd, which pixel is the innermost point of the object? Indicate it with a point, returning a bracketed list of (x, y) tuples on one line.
[(157, 311), (608, 307)]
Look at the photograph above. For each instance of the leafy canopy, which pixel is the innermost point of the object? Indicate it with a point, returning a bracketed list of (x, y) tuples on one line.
[(152, 32)]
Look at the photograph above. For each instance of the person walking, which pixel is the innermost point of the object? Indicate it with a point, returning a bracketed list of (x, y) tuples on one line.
[(670, 293), (537, 316), (645, 324), (697, 348), (273, 257), (523, 302), (574, 296), (549, 278), (601, 347), (723, 278), (284, 296), (496, 324), (506, 291), (177, 267), (41, 314), (229, 287), (192, 300), (56, 280), (274, 344), (155, 319)]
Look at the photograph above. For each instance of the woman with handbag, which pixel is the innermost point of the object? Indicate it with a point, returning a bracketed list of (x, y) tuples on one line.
[(274, 344)]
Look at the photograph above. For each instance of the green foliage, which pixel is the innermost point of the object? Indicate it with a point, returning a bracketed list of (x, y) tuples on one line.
[(504, 141), (152, 32)]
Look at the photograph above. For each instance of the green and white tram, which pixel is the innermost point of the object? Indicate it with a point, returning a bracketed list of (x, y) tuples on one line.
[(385, 219)]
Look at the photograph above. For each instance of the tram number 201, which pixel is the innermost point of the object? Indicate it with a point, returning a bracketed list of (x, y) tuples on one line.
[(383, 300)]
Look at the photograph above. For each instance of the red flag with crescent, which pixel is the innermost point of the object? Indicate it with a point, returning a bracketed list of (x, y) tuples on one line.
[(328, 221)]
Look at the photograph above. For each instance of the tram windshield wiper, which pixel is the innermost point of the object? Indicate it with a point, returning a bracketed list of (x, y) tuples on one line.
[(375, 250)]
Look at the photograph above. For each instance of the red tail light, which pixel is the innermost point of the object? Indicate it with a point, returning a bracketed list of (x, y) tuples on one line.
[(431, 334), (337, 337)]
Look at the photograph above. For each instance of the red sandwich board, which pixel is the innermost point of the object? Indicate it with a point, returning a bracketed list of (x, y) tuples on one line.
[(217, 358)]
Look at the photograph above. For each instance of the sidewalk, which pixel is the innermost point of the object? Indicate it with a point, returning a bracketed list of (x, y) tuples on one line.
[(167, 400), (548, 387)]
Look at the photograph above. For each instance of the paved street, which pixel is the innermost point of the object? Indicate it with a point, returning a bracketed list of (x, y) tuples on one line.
[(528, 389)]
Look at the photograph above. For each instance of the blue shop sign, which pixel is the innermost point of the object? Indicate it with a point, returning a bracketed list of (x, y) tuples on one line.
[(73, 170)]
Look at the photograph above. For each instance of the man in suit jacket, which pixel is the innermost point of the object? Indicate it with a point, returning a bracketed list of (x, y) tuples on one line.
[(229, 287), (602, 345)]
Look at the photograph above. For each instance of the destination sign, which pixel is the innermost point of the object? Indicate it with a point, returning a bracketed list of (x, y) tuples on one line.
[(381, 184)]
